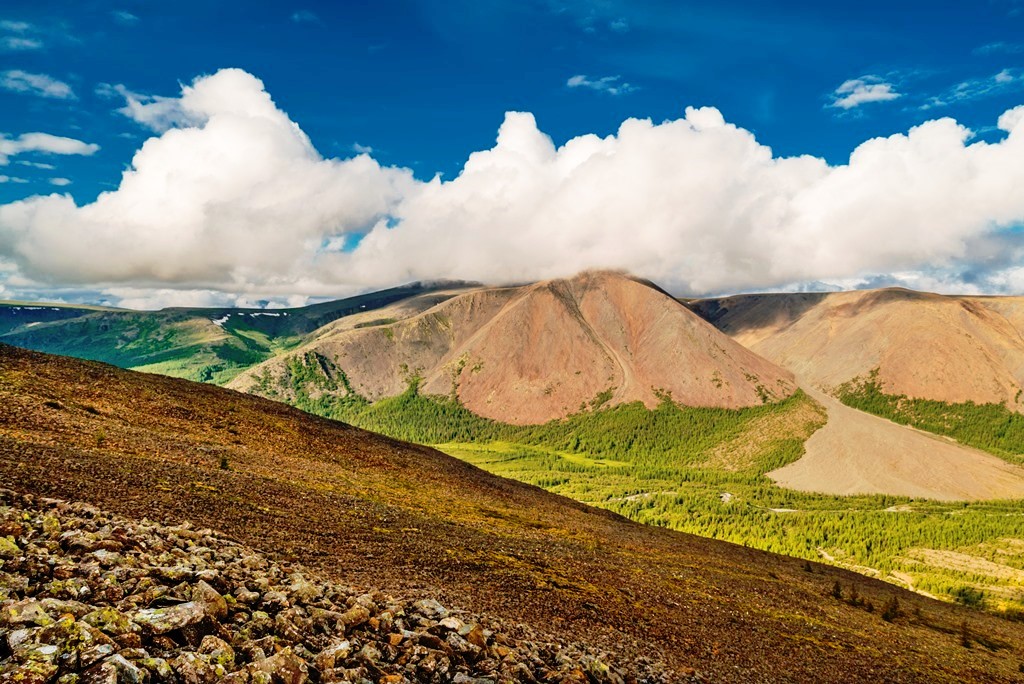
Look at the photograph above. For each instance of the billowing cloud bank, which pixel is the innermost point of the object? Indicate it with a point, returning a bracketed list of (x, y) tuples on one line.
[(233, 198)]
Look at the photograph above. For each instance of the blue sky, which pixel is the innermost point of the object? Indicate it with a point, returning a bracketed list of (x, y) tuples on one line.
[(423, 84)]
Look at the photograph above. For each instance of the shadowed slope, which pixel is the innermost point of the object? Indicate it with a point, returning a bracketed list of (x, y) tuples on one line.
[(383, 513)]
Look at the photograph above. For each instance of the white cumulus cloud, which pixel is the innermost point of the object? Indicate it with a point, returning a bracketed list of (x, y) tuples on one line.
[(234, 201), (235, 196), (18, 81)]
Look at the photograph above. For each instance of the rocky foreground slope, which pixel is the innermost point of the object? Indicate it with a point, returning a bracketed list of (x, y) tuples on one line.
[(90, 597), (361, 510), (538, 352)]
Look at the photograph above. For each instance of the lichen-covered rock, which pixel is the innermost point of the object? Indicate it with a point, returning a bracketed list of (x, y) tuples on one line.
[(164, 620), (8, 548), (218, 651), (26, 612), (110, 621), (284, 668)]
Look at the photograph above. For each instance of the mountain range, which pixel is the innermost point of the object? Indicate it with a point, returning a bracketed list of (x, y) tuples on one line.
[(798, 423)]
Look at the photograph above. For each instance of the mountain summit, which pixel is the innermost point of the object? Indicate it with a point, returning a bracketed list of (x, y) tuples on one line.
[(539, 352)]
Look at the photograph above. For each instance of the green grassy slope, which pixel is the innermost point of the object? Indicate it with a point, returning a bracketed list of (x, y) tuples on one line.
[(208, 345)]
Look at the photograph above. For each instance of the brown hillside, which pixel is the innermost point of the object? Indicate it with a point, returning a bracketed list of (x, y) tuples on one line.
[(930, 346), (368, 510), (539, 352)]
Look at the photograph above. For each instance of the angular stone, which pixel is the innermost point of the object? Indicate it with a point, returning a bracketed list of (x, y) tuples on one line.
[(163, 620), (107, 559), (110, 621), (355, 616), (431, 609), (452, 624), (127, 673), (102, 673), (51, 526), (218, 651), (284, 668), (302, 589), (474, 634), (159, 668), (26, 612), (8, 548), (216, 606), (329, 658), (94, 654), (61, 607), (34, 672), (193, 669), (274, 601)]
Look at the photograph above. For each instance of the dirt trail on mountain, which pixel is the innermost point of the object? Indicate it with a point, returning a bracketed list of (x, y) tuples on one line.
[(857, 453)]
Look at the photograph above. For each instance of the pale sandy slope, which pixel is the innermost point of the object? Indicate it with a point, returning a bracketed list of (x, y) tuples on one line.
[(857, 453)]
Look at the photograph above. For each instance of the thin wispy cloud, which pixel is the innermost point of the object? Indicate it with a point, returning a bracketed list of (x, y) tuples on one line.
[(977, 88), (60, 182), (613, 85), (361, 149), (12, 179), (35, 165), (124, 18), (999, 48), (19, 36), (860, 91), (44, 143), (42, 85), (15, 26), (19, 43)]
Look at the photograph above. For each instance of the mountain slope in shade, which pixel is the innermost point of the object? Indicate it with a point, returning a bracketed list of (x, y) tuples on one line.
[(206, 344), (927, 346), (543, 351), (379, 513)]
